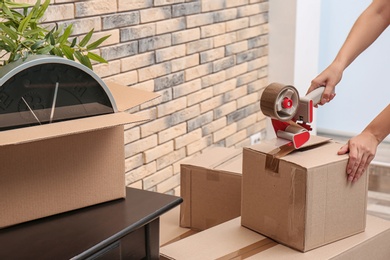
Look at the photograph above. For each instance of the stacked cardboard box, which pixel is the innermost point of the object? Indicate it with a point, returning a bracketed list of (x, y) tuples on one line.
[(211, 188), (306, 202), (303, 204), (231, 240)]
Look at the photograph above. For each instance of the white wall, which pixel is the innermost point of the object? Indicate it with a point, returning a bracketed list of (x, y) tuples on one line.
[(365, 88), (305, 36), (293, 43)]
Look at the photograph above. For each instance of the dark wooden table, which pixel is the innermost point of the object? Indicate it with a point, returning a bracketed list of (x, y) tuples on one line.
[(121, 229)]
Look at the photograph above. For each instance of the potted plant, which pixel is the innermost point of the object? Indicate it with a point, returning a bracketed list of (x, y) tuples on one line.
[(22, 35)]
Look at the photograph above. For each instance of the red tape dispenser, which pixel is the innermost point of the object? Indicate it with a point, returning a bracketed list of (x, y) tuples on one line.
[(290, 114)]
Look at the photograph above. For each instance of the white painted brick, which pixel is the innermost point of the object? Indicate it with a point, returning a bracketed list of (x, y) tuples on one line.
[(199, 96), (107, 69), (199, 145), (170, 25), (214, 126), (212, 30), (188, 138), (170, 53), (225, 132), (140, 145), (157, 177), (171, 106), (186, 36), (134, 162), (185, 62), (94, 7), (140, 173), (59, 13), (132, 134), (158, 151), (235, 138), (171, 158), (198, 71), (127, 5), (172, 132), (137, 61), (224, 86), (169, 184)]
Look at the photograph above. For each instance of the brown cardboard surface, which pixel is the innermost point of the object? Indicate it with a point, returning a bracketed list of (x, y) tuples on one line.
[(170, 230), (55, 175), (211, 188), (231, 239), (54, 168), (308, 202), (129, 97), (88, 124)]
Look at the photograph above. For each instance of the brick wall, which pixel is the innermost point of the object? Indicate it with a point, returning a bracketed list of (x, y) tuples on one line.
[(207, 59)]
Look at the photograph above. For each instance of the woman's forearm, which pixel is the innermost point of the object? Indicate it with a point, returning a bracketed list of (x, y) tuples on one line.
[(367, 28)]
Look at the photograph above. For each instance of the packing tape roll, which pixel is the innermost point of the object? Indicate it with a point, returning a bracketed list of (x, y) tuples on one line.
[(272, 98)]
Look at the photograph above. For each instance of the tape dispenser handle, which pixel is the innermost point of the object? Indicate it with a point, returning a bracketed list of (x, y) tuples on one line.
[(315, 95)]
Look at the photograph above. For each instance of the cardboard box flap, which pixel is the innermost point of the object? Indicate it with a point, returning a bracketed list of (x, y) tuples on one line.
[(267, 146), (129, 97), (324, 154), (233, 165), (324, 151), (35, 133), (219, 155)]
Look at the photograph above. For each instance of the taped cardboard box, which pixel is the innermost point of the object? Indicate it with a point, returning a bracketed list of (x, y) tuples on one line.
[(230, 240), (211, 188), (307, 201), (54, 168)]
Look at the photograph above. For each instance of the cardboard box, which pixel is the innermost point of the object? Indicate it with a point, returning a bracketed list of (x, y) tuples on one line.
[(170, 230), (211, 188), (306, 202), (54, 168), (230, 240)]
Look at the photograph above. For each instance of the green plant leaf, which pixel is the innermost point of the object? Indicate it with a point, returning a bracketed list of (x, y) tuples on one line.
[(83, 59), (12, 4), (26, 43), (4, 47), (86, 39), (7, 11), (41, 11), (95, 44), (96, 57), (74, 41), (67, 32), (11, 33), (37, 45), (52, 40), (34, 32), (68, 51), (49, 34), (25, 22), (8, 42), (45, 50), (78, 55), (57, 51)]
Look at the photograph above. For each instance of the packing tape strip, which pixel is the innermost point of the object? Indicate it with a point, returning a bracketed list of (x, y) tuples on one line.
[(184, 235), (250, 250), (272, 159)]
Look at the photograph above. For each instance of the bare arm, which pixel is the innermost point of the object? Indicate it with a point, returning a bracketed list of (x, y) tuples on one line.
[(362, 148), (367, 28)]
